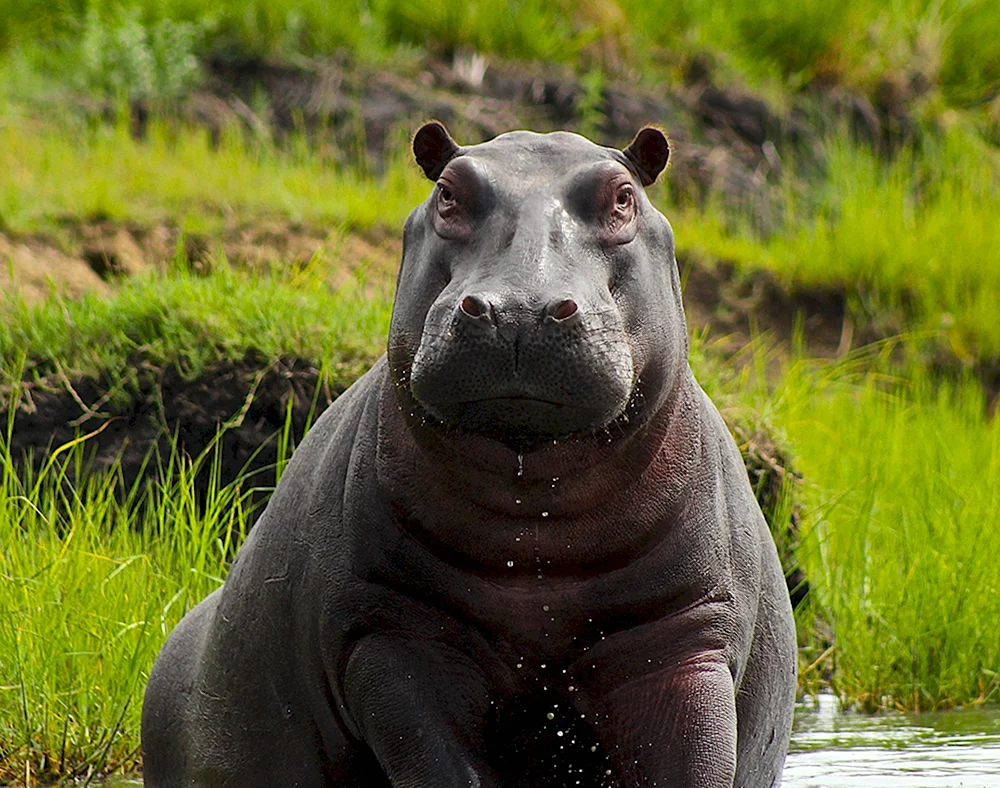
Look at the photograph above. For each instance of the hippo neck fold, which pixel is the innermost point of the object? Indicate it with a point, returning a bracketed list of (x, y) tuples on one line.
[(566, 505)]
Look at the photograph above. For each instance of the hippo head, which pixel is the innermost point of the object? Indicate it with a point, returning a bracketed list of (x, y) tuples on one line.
[(538, 296)]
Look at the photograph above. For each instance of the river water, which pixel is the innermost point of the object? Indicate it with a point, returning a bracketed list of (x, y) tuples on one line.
[(946, 749), (830, 749)]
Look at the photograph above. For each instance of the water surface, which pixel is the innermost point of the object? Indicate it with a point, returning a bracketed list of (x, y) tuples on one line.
[(946, 749)]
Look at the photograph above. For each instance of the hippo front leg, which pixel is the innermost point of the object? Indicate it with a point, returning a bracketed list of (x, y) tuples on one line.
[(672, 727), (662, 700), (421, 707)]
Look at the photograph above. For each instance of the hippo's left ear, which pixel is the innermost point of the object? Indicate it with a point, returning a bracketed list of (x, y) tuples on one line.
[(649, 152), (433, 148)]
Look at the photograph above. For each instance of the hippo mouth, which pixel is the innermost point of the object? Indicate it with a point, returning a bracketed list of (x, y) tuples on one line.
[(522, 417), (515, 400)]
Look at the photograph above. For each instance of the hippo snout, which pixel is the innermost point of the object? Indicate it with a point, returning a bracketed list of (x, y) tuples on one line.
[(491, 363), (557, 310)]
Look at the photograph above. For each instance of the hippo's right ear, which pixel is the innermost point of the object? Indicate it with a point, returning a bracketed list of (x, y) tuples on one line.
[(648, 152), (433, 148)]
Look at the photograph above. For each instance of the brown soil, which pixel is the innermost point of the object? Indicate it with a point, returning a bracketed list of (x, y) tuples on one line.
[(90, 257), (736, 307), (250, 398)]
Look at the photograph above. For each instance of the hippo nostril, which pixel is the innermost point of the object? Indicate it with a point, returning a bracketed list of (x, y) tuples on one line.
[(563, 310), (474, 306)]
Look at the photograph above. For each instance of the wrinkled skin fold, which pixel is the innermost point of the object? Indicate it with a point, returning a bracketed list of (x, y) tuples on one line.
[(522, 550)]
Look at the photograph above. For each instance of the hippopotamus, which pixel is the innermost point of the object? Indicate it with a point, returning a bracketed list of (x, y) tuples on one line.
[(522, 550)]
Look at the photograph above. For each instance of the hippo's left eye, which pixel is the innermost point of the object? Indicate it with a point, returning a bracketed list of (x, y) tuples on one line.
[(622, 210), (625, 197), (446, 198)]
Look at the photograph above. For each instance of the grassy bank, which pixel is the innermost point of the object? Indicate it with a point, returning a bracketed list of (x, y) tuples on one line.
[(914, 241), (191, 320), (900, 539), (151, 47)]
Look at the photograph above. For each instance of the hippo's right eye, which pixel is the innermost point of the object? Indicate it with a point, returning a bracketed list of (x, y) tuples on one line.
[(450, 211)]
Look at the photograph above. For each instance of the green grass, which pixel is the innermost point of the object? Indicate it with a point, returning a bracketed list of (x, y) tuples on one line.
[(915, 240), (93, 579), (187, 320), (899, 521), (52, 172), (900, 538)]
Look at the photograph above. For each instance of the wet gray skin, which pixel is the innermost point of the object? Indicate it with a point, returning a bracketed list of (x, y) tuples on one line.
[(522, 551)]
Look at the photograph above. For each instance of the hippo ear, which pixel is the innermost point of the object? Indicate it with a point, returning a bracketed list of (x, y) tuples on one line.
[(433, 148), (648, 153)]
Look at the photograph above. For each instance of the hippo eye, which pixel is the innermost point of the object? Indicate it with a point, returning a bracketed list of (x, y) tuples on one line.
[(623, 209), (625, 197), (446, 197)]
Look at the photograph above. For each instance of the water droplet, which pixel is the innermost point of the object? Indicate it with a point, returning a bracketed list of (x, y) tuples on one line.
[(546, 609), (517, 501), (545, 514), (510, 563), (551, 716), (559, 733)]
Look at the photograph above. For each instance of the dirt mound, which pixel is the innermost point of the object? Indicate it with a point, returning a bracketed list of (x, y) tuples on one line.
[(90, 257), (242, 405), (736, 306)]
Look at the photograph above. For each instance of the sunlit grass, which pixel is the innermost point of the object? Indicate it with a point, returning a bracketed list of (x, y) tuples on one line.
[(178, 174), (900, 538), (916, 237), (190, 321), (94, 576)]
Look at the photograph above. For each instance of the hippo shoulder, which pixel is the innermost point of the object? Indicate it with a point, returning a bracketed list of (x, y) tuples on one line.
[(312, 485)]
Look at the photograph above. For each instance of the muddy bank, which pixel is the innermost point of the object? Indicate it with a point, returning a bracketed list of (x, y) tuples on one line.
[(94, 256), (239, 408)]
